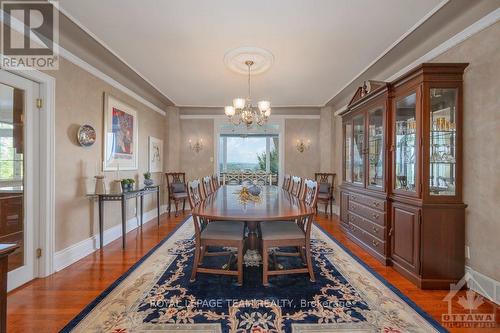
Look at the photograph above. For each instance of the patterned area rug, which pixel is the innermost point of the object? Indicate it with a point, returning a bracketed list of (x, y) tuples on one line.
[(155, 295)]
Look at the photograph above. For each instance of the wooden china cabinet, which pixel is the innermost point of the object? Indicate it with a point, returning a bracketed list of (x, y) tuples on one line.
[(401, 196), (364, 192)]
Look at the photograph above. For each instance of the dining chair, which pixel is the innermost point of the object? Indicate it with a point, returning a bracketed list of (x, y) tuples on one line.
[(326, 183), (207, 186), (296, 184), (220, 234), (215, 182), (176, 184), (290, 234), (286, 182)]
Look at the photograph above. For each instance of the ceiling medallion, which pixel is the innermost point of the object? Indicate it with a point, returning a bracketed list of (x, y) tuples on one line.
[(254, 61)]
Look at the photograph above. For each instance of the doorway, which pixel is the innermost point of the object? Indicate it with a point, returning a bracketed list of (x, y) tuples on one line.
[(19, 174)]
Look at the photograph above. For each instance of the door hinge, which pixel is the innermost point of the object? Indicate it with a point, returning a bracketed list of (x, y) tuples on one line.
[(38, 252), (39, 103)]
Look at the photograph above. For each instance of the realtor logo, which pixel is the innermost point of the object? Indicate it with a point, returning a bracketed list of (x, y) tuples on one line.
[(468, 312), (30, 35)]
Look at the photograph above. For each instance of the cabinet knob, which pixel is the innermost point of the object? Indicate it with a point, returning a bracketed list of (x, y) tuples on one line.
[(353, 197), (375, 243), (375, 229), (376, 203), (375, 216)]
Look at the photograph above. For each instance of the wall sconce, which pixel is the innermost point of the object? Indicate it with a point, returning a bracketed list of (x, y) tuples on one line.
[(197, 146), (303, 146)]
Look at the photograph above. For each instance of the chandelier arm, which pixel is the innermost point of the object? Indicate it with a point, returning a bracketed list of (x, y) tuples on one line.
[(249, 73)]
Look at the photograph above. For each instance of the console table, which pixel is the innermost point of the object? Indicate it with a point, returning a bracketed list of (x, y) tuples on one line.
[(5, 250), (123, 197)]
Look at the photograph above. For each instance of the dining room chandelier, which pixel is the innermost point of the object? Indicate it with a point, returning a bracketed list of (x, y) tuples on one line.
[(242, 110)]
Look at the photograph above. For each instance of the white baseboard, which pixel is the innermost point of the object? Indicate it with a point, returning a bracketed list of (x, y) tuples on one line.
[(77, 251), (484, 285)]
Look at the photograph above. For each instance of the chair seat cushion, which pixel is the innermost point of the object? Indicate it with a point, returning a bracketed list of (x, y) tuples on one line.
[(224, 230), (323, 196), (180, 195), (178, 187), (281, 230)]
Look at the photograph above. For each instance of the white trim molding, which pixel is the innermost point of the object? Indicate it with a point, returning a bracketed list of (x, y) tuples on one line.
[(77, 251), (273, 117), (94, 71), (468, 32), (463, 35), (486, 286)]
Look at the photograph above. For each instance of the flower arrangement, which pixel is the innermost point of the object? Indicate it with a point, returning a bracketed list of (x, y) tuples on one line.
[(246, 196)]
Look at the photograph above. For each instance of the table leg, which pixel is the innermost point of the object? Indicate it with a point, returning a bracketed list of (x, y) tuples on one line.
[(158, 206), (124, 220), (252, 240), (101, 221), (252, 256), (142, 209)]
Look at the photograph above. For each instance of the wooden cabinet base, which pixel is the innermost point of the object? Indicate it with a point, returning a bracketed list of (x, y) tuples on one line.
[(426, 284)]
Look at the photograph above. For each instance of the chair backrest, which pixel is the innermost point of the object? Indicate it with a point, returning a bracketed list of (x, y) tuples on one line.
[(207, 186), (326, 182), (194, 193), (175, 178), (296, 186), (310, 197), (286, 182), (310, 193), (215, 182)]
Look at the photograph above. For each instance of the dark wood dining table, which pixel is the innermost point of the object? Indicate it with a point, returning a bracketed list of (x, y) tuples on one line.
[(275, 204)]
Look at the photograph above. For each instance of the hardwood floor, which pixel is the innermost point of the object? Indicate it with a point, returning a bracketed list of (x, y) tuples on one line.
[(46, 305)]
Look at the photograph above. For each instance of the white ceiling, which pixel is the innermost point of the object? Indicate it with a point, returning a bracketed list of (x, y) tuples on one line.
[(318, 45)]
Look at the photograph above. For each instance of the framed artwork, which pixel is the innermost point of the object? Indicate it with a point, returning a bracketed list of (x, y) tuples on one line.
[(120, 135), (155, 154)]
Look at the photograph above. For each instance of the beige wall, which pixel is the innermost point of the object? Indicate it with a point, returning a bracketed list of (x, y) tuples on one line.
[(173, 151), (79, 100), (307, 163), (197, 165), (481, 146)]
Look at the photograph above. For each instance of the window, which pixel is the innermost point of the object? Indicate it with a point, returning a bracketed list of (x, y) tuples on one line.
[(11, 134), (249, 153)]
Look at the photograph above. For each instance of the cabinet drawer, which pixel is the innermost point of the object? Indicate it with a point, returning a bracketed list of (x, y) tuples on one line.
[(373, 242), (371, 214), (368, 201), (372, 228)]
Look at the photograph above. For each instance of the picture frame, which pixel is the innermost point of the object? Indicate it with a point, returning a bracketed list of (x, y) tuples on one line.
[(155, 155), (121, 135)]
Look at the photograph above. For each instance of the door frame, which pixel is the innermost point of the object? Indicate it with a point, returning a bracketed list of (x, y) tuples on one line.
[(44, 236)]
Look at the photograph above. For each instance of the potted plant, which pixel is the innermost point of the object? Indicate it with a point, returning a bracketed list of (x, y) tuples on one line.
[(125, 185), (147, 179)]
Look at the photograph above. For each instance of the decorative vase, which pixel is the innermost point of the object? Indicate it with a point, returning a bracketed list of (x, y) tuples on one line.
[(148, 182), (254, 190), (116, 187), (100, 187)]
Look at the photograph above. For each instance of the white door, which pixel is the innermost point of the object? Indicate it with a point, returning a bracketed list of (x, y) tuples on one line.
[(19, 139)]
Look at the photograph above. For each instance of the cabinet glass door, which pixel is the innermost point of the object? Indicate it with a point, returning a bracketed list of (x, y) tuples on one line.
[(348, 152), (443, 141), (405, 143), (376, 148), (358, 153)]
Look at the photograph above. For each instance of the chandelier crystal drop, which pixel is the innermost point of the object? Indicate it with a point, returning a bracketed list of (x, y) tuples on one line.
[(242, 110)]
